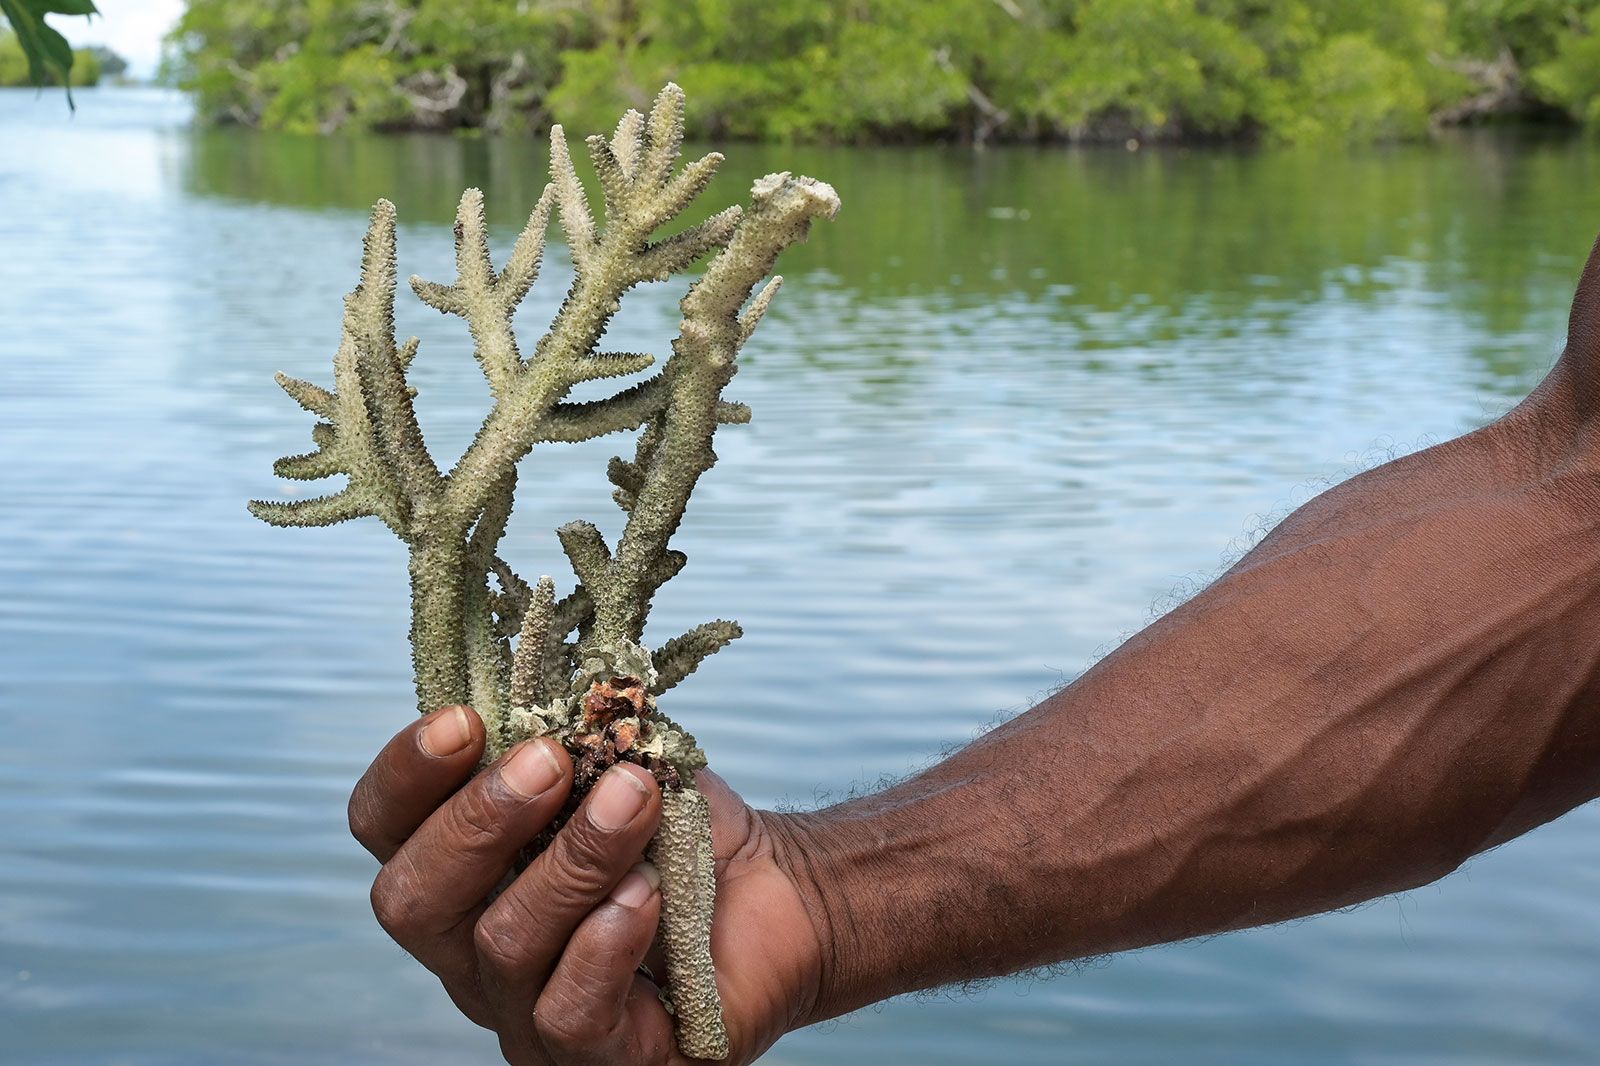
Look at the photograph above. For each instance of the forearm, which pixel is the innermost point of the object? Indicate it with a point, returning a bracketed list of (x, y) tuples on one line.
[(1401, 676)]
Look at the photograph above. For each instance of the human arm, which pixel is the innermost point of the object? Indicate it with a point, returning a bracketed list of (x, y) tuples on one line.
[(1400, 676)]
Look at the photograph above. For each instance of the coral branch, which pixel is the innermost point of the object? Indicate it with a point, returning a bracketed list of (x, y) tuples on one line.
[(609, 262), (654, 490), (574, 202), (488, 655), (681, 656), (702, 364), (677, 253), (628, 409), (663, 136), (314, 398), (681, 851), (530, 670), (758, 308), (528, 665), (627, 477), (318, 511), (614, 365), (615, 181), (691, 182), (486, 299), (584, 545), (627, 143), (517, 593), (578, 670), (371, 434)]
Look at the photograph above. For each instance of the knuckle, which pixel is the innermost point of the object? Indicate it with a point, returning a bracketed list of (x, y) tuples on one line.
[(564, 1026), (359, 817), (575, 890), (585, 864), (475, 821), (359, 814), (395, 905), (500, 948), (589, 969)]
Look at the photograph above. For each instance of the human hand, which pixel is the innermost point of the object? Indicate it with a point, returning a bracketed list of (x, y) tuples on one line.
[(552, 963)]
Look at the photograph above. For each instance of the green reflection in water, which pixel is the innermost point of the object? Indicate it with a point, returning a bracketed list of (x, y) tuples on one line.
[(1110, 245)]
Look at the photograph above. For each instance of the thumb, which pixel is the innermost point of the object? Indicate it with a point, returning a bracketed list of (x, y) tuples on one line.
[(731, 822)]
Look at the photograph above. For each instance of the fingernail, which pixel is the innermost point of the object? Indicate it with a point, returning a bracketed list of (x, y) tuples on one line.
[(637, 886), (532, 769), (617, 798), (446, 734)]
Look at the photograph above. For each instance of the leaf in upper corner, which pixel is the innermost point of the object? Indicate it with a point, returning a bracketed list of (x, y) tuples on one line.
[(46, 49)]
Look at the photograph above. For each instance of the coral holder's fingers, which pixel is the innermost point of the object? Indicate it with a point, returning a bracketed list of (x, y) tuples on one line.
[(522, 935), (585, 1013), (682, 853), (414, 773), (425, 895)]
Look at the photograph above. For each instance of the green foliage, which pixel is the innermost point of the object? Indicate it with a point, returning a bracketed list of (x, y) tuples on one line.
[(319, 65), (88, 65), (46, 55), (1570, 79), (1350, 88), (1555, 42), (1157, 63), (1530, 29), (874, 70)]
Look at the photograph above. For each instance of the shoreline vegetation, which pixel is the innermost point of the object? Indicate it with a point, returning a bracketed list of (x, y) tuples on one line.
[(894, 71)]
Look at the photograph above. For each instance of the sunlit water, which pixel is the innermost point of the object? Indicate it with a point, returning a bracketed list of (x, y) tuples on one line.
[(1006, 404)]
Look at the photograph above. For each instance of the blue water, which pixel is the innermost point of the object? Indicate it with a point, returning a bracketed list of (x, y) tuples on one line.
[(1007, 406)]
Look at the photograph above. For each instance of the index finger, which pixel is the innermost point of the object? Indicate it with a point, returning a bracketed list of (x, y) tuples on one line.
[(420, 768)]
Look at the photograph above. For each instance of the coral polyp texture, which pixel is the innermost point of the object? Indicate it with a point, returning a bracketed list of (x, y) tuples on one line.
[(574, 668)]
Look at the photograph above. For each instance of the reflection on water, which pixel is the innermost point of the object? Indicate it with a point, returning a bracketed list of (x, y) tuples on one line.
[(1007, 402)]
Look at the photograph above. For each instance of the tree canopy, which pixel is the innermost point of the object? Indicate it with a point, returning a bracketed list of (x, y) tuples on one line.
[(871, 70)]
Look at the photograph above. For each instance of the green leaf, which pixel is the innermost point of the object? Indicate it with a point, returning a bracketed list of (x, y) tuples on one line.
[(44, 46)]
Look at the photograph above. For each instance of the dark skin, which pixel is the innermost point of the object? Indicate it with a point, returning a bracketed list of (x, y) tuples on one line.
[(1404, 673)]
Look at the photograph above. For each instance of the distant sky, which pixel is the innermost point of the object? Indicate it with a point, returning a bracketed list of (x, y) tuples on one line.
[(131, 28)]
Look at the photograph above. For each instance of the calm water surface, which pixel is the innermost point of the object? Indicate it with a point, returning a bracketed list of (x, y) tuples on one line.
[(1005, 407)]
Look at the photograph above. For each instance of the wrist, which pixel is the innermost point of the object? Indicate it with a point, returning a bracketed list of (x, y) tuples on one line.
[(823, 855)]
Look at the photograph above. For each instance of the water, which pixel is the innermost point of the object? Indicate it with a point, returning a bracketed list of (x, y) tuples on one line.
[(1006, 404)]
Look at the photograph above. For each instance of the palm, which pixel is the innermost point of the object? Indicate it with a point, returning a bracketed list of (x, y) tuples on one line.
[(762, 939)]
